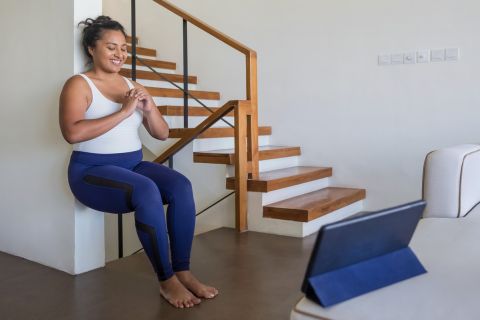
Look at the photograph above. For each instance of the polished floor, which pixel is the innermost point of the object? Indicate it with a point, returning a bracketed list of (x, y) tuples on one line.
[(258, 275)]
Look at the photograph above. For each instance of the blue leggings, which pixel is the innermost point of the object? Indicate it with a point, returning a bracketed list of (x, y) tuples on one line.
[(121, 183)]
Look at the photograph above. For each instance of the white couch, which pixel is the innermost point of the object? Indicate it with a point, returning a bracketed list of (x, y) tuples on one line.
[(445, 241)]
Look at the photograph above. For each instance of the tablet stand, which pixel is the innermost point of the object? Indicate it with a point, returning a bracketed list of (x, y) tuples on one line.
[(351, 281)]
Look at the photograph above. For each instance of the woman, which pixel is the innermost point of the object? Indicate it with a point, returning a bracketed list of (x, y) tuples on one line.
[(100, 112)]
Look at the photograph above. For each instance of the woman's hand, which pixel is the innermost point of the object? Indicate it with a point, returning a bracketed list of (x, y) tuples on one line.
[(145, 100), (129, 104)]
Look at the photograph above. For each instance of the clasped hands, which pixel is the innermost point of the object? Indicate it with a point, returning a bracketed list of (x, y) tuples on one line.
[(138, 98)]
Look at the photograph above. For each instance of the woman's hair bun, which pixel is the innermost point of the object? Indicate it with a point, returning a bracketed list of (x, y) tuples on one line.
[(100, 20)]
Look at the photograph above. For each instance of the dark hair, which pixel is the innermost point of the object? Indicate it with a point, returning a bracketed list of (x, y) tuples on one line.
[(93, 31)]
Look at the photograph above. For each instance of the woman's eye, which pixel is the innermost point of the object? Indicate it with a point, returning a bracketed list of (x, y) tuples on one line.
[(111, 48)]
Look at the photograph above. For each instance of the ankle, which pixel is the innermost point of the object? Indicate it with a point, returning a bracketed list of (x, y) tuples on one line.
[(173, 280)]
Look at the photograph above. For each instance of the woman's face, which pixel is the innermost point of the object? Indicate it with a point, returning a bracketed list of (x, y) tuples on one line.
[(110, 51)]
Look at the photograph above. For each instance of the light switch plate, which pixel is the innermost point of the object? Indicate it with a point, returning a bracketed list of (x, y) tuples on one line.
[(437, 55), (396, 58), (409, 58), (384, 59), (423, 56), (451, 54)]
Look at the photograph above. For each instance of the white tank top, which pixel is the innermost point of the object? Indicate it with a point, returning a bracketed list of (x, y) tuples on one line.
[(121, 138)]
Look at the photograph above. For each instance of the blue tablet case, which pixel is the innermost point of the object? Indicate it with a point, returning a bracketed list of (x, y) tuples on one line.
[(359, 255)]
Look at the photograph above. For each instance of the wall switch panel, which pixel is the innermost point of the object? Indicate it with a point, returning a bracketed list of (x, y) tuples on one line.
[(384, 59), (423, 56), (420, 56), (409, 58), (396, 58), (451, 54), (437, 55)]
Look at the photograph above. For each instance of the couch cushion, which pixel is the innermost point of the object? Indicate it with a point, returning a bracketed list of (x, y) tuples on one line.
[(451, 181)]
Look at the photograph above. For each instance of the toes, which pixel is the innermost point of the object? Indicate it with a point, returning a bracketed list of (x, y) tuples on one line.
[(188, 304), (195, 300), (174, 303)]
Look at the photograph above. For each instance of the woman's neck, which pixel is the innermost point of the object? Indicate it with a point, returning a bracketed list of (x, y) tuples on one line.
[(100, 74)]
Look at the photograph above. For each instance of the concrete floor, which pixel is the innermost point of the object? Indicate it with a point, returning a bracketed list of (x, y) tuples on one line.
[(258, 275)]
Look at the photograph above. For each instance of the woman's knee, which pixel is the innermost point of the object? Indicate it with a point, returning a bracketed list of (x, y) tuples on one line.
[(181, 184), (146, 192)]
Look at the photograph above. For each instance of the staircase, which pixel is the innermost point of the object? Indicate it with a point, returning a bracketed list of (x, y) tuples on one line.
[(286, 198)]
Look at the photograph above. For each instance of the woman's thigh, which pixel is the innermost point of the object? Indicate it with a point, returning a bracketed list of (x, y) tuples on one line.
[(170, 182), (112, 189)]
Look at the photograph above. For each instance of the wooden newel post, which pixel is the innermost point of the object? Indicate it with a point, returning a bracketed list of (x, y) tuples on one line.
[(252, 120), (241, 166)]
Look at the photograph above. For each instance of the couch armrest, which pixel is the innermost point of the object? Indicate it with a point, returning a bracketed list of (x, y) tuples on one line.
[(451, 181)]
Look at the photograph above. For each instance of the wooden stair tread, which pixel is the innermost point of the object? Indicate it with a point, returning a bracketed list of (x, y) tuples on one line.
[(148, 75), (283, 178), (227, 156), (309, 206), (215, 132), (154, 63), (143, 51), (177, 93), (192, 111)]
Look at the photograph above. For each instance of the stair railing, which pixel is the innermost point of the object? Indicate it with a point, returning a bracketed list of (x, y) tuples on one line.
[(245, 111)]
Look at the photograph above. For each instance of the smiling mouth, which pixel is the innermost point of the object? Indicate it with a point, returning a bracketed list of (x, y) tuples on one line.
[(116, 62)]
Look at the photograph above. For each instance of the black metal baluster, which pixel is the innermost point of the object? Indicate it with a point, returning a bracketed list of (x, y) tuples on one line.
[(185, 75), (134, 43)]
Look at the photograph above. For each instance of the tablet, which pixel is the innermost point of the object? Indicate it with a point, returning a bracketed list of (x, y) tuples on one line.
[(360, 254)]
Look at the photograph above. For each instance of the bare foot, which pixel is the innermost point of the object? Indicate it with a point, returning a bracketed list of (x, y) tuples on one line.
[(175, 292), (198, 288)]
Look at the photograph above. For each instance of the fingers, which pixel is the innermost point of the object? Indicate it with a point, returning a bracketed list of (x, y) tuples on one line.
[(139, 93)]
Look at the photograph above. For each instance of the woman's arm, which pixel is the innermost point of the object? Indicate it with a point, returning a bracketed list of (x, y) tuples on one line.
[(74, 101), (152, 118)]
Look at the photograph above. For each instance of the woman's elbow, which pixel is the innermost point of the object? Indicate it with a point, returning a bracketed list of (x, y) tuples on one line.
[(70, 137), (163, 135)]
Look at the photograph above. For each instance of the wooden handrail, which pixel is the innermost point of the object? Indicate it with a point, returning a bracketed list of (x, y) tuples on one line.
[(246, 119), (205, 27), (204, 125)]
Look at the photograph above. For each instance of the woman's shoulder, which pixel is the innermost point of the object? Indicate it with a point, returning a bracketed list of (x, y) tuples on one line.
[(76, 81), (76, 85)]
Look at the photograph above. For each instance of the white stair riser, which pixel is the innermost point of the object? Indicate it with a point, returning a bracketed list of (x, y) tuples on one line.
[(177, 121), (293, 191), (280, 163), (141, 56), (223, 143), (157, 146), (268, 165), (164, 84), (162, 101), (143, 68)]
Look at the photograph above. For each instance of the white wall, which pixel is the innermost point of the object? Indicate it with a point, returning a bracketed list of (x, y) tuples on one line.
[(38, 221), (318, 63)]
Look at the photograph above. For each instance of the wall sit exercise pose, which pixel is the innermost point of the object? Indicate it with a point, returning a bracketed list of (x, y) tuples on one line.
[(100, 113)]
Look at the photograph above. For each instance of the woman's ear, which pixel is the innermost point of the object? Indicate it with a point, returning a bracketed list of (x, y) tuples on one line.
[(90, 50)]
